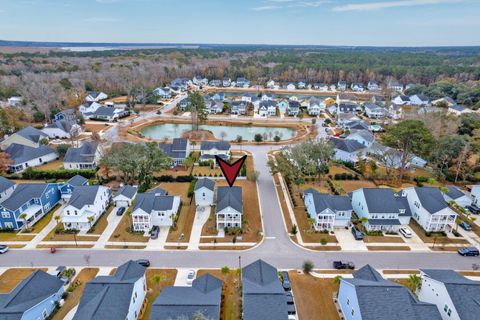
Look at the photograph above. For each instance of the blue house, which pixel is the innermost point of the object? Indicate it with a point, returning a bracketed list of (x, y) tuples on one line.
[(66, 189), (368, 296), (34, 298), (34, 200), (327, 210)]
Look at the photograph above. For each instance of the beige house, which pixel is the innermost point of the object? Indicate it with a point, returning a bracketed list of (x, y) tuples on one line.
[(28, 136)]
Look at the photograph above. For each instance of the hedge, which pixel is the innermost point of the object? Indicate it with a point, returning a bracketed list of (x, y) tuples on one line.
[(35, 174), (169, 178)]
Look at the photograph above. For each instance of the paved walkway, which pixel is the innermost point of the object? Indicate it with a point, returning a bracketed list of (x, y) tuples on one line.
[(113, 221), (201, 217)]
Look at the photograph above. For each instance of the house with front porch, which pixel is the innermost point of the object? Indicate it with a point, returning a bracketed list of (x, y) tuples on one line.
[(394, 85), (314, 107), (242, 82), (293, 108), (238, 108), (475, 194), (430, 209), (84, 157), (328, 211), (34, 200), (364, 137), (226, 82), (23, 157), (66, 189), (342, 85), (267, 108), (215, 106), (374, 111), (229, 207), (210, 149), (178, 150), (85, 206), (88, 109), (384, 210), (357, 87), (368, 296), (163, 92), (419, 100), (154, 208), (373, 86)]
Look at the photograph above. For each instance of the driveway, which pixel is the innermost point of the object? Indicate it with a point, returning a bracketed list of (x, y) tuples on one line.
[(347, 241), (113, 221), (181, 279), (159, 243), (201, 217)]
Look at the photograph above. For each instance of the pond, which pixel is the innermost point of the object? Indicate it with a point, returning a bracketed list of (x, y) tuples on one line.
[(229, 133)]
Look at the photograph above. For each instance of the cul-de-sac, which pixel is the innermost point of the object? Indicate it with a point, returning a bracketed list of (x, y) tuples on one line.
[(356, 164)]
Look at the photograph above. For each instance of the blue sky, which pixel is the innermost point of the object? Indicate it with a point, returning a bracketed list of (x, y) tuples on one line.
[(320, 22)]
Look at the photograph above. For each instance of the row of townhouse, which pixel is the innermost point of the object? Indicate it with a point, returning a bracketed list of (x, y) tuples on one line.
[(386, 210), (123, 295), (443, 295)]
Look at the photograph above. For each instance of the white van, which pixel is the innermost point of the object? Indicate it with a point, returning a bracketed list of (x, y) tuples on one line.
[(406, 232)]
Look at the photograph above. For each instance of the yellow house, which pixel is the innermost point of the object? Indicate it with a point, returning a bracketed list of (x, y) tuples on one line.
[(28, 136)]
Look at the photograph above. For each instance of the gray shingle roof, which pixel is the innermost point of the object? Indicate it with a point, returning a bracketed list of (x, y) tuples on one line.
[(219, 145), (82, 196), (381, 200), (77, 180), (5, 184), (24, 193), (365, 134), (379, 299), (204, 182), (465, 293), (31, 291), (349, 146), (127, 191), (108, 297), (458, 107), (204, 297), (454, 192), (384, 222), (332, 202), (84, 154), (263, 295), (154, 201), (431, 199), (229, 197), (175, 150), (31, 134), (19, 153)]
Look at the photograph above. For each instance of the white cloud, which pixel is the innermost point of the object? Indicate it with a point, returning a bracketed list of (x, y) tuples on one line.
[(265, 8), (371, 6)]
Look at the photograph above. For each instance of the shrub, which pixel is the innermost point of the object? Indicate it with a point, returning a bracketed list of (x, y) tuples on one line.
[(258, 137), (307, 266), (323, 241), (36, 174)]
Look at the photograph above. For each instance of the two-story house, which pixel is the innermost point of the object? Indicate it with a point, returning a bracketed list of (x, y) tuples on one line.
[(455, 296), (419, 100), (342, 85), (238, 108), (348, 150), (430, 209), (95, 96), (383, 209), (210, 149), (178, 150), (364, 137), (88, 109), (226, 82), (23, 157), (357, 87), (314, 107), (267, 108), (28, 136), (293, 108), (373, 86), (85, 206), (27, 204), (458, 195), (475, 195), (119, 296), (154, 208), (35, 297), (374, 111), (85, 157), (229, 207), (66, 189), (204, 192), (328, 211), (369, 296)]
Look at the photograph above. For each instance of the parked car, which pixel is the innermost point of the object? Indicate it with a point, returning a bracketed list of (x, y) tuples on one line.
[(473, 209), (465, 226), (144, 262), (289, 297), (406, 232), (286, 281), (470, 251), (357, 234), (190, 276), (154, 234), (291, 309), (60, 270), (343, 265), (120, 211), (3, 248)]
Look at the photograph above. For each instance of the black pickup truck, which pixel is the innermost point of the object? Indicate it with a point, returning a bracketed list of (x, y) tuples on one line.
[(343, 265)]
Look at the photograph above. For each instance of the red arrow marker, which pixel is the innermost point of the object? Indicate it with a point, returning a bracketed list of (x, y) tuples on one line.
[(230, 171)]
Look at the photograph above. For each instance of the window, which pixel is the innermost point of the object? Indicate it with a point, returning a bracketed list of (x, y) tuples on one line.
[(44, 314), (449, 312), (5, 214), (348, 301), (445, 308), (353, 312)]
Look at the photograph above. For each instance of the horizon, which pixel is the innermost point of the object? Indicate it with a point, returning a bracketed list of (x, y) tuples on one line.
[(350, 23)]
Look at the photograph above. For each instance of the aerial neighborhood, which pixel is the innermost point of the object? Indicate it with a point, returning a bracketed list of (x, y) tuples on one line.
[(358, 198)]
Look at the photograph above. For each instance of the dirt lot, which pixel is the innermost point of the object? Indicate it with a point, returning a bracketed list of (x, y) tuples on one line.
[(13, 236), (382, 239), (314, 297), (12, 277), (96, 127), (231, 308), (351, 185), (101, 223), (73, 298), (437, 239), (167, 278), (252, 224), (54, 165), (52, 236), (122, 233)]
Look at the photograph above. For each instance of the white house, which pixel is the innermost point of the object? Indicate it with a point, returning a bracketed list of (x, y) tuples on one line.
[(154, 208), (85, 206), (357, 87), (314, 107), (266, 97), (385, 210), (61, 129), (267, 108), (290, 86), (348, 150), (200, 81), (328, 211), (204, 191), (364, 137), (458, 110), (210, 149), (84, 157), (374, 111), (456, 194), (455, 296), (23, 157), (14, 101), (229, 207), (163, 92), (271, 84), (125, 196), (395, 111), (395, 86), (401, 100), (419, 100), (247, 97), (117, 296), (475, 193), (94, 96), (445, 100), (373, 86), (342, 85), (430, 209), (89, 108), (226, 82)]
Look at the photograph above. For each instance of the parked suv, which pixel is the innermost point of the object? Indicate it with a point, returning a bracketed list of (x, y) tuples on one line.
[(406, 232), (465, 226), (343, 265), (470, 251), (286, 281), (473, 209), (120, 211), (154, 234), (357, 234)]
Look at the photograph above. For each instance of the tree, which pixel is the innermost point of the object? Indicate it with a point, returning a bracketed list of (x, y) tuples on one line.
[(5, 162), (373, 168), (258, 137), (284, 167), (444, 151), (90, 220), (307, 266), (414, 282), (276, 139), (62, 149), (24, 217), (238, 139), (57, 219), (225, 272), (38, 116), (294, 229), (44, 141), (311, 158), (409, 137), (198, 110), (157, 278), (337, 279), (223, 134)]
